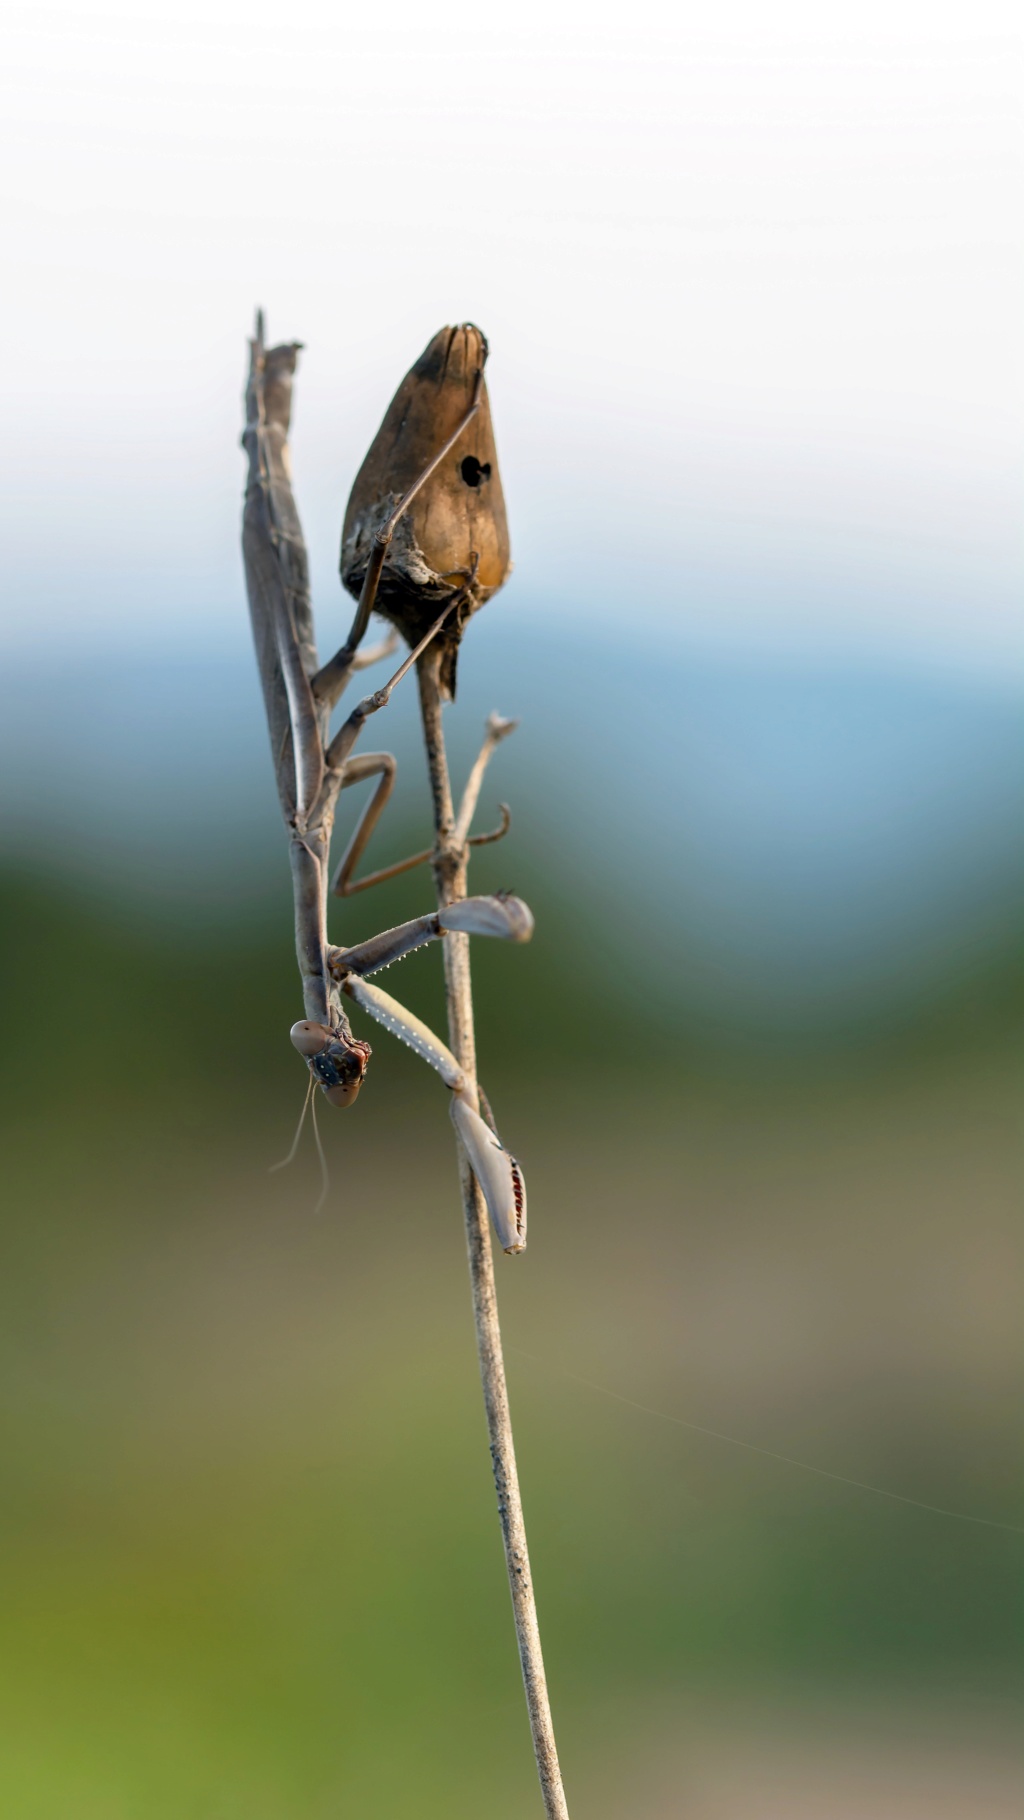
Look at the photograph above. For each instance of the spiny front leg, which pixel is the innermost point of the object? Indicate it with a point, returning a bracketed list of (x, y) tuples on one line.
[(336, 1059), (507, 918), (497, 1171), (502, 916)]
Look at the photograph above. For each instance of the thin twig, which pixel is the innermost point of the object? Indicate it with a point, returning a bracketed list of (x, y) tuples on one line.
[(450, 869)]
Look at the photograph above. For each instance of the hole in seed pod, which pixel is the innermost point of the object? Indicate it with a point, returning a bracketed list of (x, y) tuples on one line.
[(474, 471)]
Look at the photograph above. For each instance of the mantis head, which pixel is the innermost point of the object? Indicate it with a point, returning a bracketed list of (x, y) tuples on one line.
[(336, 1062)]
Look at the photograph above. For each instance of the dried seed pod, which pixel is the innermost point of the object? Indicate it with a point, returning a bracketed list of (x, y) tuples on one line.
[(454, 533), (498, 1174)]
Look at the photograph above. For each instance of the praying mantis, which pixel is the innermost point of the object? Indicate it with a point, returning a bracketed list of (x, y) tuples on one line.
[(425, 544)]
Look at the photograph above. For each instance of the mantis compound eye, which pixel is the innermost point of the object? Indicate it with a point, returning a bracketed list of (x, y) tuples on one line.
[(336, 1064), (339, 1068), (309, 1038), (343, 1094)]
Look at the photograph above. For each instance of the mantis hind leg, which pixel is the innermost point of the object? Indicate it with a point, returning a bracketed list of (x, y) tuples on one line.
[(383, 766)]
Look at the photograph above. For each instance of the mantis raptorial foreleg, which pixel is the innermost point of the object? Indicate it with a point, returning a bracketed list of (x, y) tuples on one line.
[(408, 1028), (503, 916), (332, 1055), (509, 919), (329, 1062), (495, 1168)]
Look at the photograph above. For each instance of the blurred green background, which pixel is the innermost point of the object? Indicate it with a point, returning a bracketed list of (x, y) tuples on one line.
[(751, 279), (251, 1560)]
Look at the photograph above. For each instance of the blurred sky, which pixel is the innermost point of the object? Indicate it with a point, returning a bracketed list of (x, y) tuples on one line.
[(751, 279), (753, 291)]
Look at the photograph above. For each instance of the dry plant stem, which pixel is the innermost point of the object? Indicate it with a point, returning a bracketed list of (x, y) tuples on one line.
[(450, 869)]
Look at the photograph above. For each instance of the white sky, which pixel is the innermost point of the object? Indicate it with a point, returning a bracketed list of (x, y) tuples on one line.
[(750, 274)]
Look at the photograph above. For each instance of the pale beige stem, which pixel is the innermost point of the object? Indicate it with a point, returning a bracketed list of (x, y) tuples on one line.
[(450, 868)]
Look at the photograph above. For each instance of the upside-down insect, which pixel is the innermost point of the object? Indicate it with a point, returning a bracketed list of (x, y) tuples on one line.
[(425, 543)]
